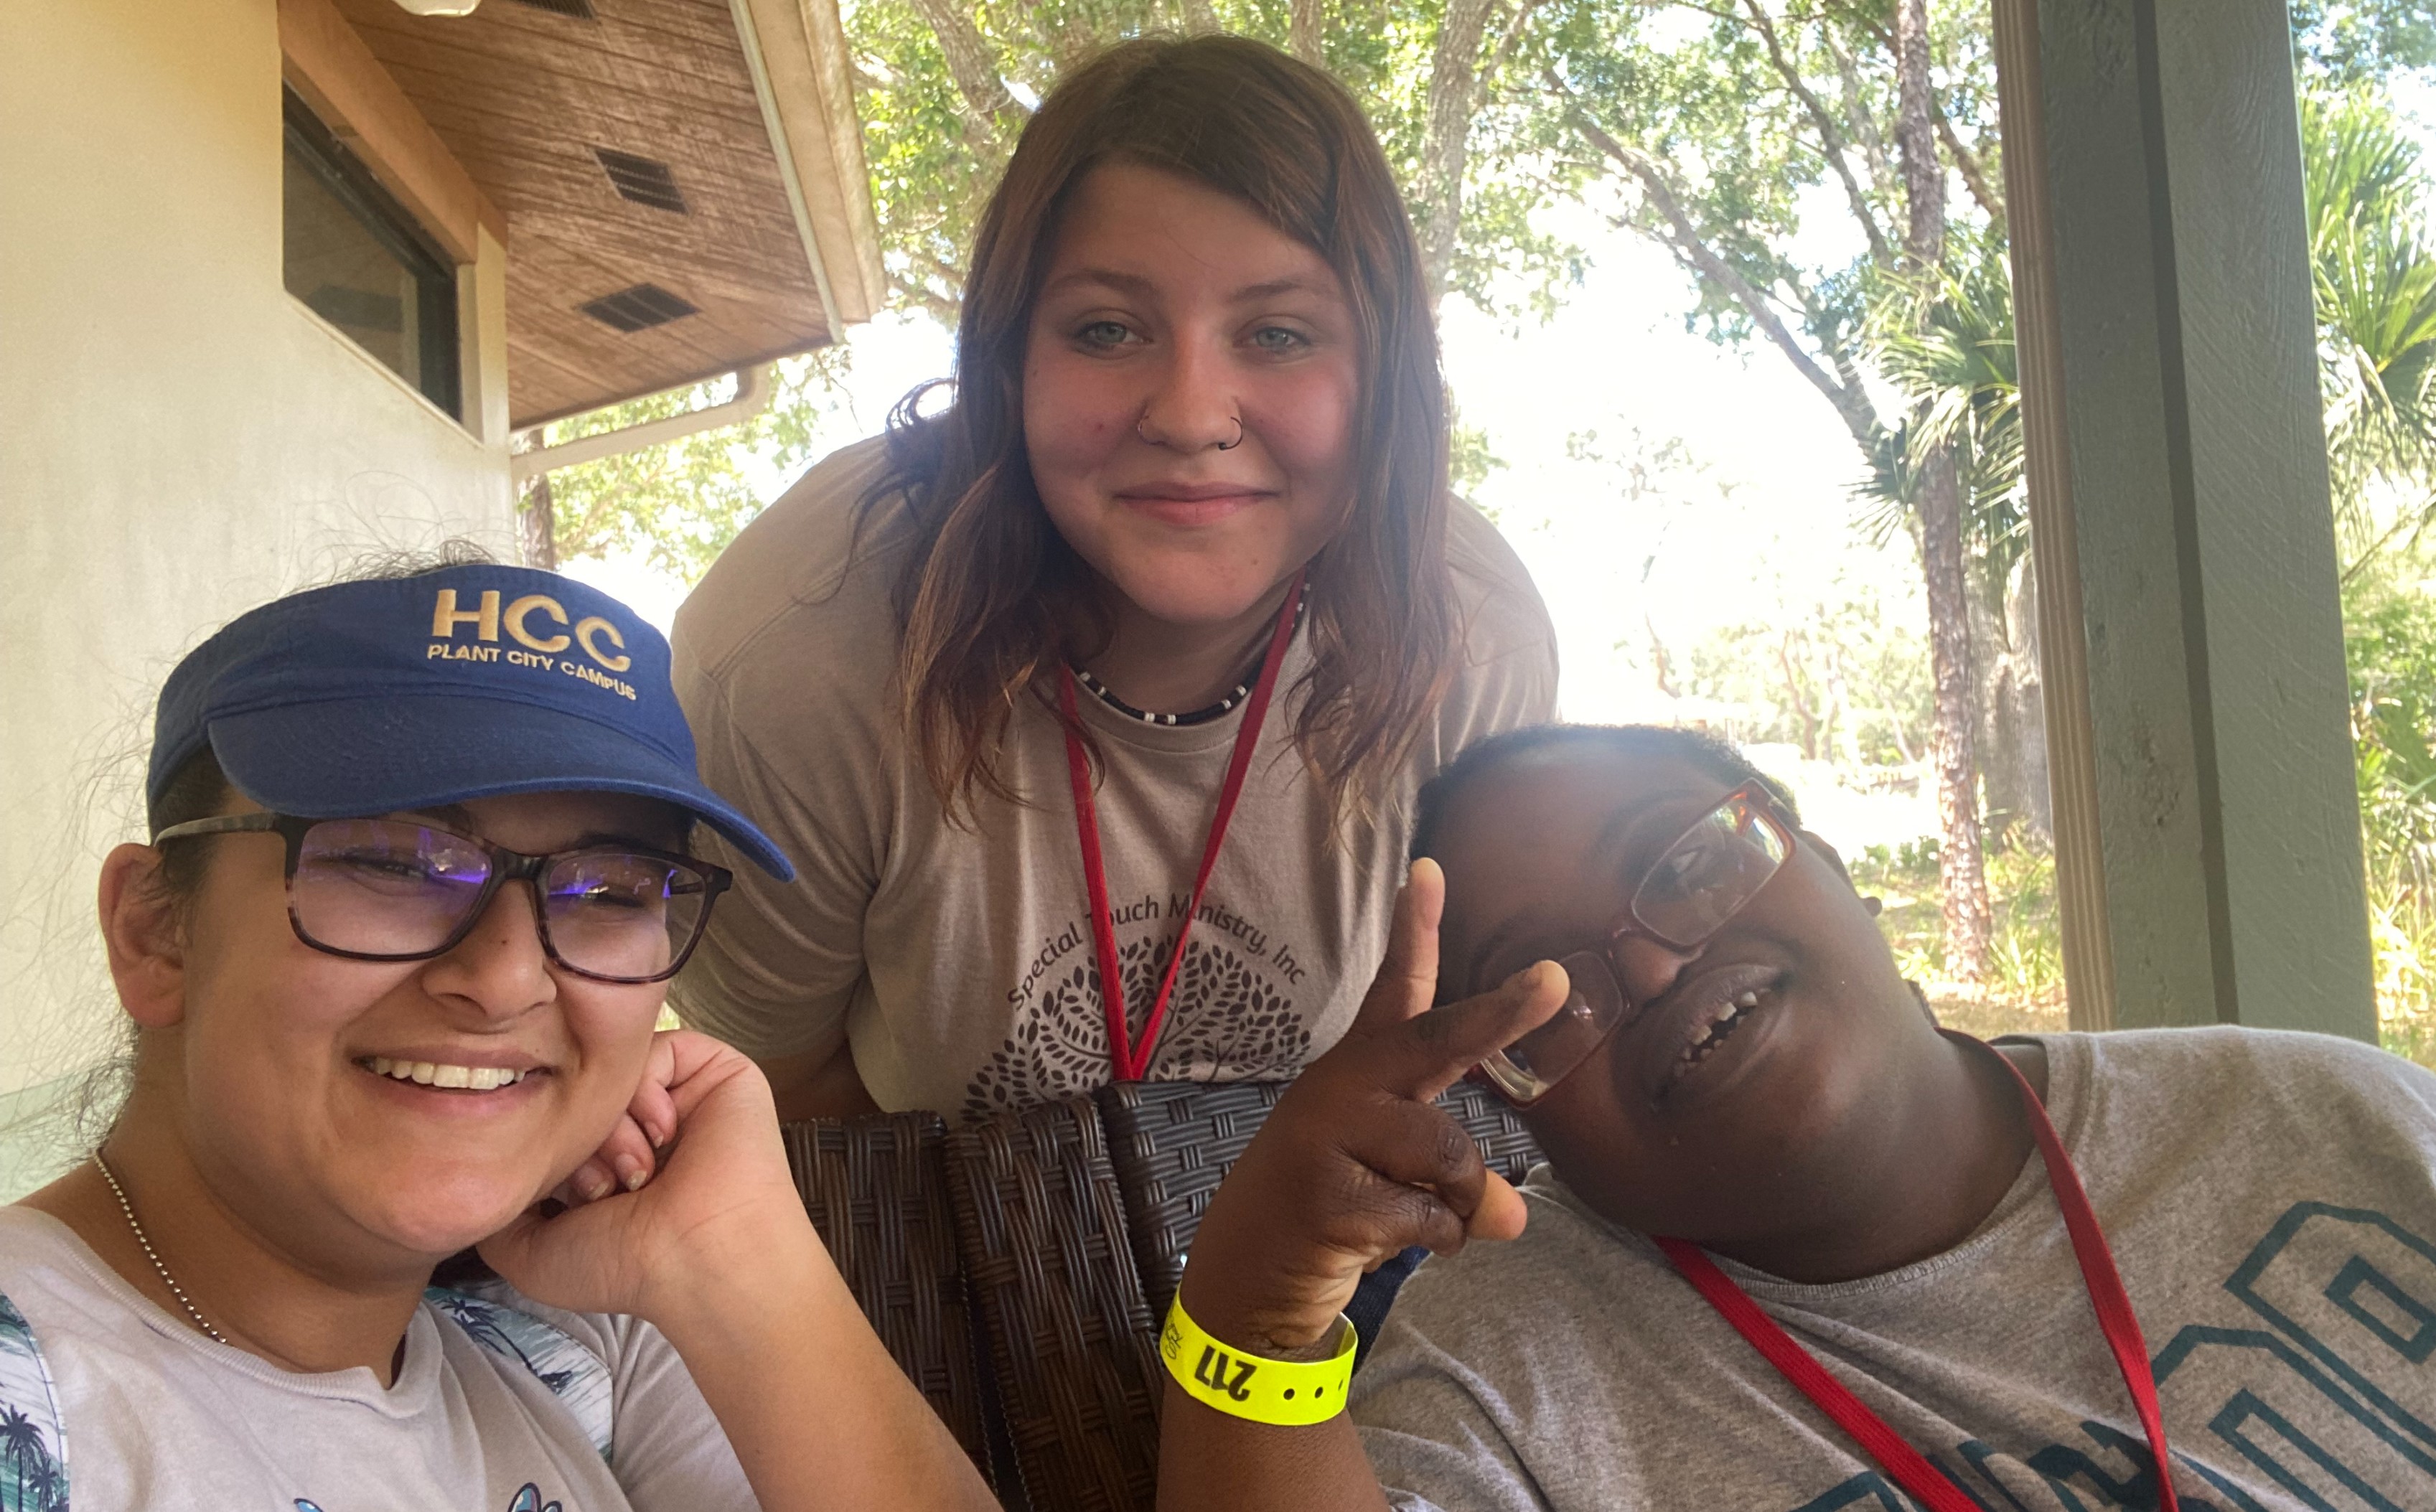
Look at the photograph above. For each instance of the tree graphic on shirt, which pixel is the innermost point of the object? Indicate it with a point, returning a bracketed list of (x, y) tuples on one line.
[(36, 1481), (1229, 1021)]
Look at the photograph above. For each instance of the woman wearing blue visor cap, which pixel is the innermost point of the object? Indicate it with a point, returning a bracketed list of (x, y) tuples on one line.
[(418, 879)]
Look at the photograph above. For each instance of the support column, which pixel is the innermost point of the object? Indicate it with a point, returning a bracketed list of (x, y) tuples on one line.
[(2207, 825)]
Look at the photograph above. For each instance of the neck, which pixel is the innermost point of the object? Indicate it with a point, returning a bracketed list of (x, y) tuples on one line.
[(1933, 1171), (1166, 667), (303, 1314)]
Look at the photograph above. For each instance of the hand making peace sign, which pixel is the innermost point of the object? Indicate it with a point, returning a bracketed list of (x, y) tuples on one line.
[(1357, 1162)]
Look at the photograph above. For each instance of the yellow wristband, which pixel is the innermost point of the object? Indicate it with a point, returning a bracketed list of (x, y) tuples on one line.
[(1293, 1393)]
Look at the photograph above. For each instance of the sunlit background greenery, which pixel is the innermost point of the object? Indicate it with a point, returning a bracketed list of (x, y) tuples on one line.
[(1739, 163)]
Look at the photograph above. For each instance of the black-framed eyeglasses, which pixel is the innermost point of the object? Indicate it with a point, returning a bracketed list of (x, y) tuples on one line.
[(397, 889), (1699, 881)]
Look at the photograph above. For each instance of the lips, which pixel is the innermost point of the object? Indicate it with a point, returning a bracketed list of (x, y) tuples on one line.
[(1187, 505), (1685, 1031)]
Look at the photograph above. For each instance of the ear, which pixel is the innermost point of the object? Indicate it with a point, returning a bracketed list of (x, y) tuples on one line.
[(144, 939)]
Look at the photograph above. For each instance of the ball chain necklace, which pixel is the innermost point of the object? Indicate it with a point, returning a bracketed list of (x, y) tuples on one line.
[(153, 1254), (1202, 716)]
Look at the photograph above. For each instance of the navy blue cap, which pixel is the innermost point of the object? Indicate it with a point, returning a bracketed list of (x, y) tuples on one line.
[(467, 682)]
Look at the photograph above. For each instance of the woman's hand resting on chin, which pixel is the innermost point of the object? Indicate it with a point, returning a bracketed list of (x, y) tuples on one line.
[(708, 1194)]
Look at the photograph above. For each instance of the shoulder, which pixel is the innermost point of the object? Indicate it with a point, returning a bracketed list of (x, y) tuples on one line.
[(789, 643), (2221, 1057), (576, 1357), (816, 566), (1505, 672), (1500, 605), (2204, 1089)]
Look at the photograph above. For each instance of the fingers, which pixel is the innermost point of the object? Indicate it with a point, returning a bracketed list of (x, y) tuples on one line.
[(1501, 1214), (1436, 1049), (1407, 982), (1416, 1144)]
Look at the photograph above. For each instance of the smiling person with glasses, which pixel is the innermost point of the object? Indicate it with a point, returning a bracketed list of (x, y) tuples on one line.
[(1795, 1248), (418, 879)]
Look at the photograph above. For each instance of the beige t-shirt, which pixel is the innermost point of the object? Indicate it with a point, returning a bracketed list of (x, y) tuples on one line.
[(958, 960)]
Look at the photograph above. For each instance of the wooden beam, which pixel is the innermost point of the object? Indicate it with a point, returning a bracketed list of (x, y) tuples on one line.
[(2055, 544), (799, 55), (331, 67), (2208, 845)]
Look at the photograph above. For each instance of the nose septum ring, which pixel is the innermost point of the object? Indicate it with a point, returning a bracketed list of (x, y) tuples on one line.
[(1224, 445)]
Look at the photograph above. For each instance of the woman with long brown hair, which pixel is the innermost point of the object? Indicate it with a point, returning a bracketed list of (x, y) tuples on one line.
[(1127, 662)]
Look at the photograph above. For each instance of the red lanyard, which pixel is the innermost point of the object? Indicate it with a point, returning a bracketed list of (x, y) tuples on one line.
[(1127, 1060), (1926, 1483)]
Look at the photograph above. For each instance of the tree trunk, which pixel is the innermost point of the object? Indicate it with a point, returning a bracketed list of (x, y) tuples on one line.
[(1951, 741), (1305, 24), (1454, 90), (1953, 728), (537, 527)]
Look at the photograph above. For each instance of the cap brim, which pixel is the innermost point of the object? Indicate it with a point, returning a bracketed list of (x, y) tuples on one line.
[(336, 759)]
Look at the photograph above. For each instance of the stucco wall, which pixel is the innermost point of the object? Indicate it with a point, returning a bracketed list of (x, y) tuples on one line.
[(178, 441)]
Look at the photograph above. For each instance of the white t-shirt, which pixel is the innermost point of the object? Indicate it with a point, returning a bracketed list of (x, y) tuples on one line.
[(958, 959), (2270, 1201), (500, 1405)]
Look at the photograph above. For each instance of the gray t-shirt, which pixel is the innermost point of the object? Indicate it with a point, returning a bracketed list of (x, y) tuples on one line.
[(958, 957), (2269, 1200), (500, 1405)]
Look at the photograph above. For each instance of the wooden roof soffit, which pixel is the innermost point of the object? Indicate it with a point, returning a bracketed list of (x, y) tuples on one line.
[(683, 180), (800, 69), (323, 60)]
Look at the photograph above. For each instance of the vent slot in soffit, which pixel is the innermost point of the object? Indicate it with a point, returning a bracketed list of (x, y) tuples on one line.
[(638, 308), (644, 181)]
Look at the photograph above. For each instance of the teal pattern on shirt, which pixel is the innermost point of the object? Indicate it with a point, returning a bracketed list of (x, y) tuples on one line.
[(576, 1377), (33, 1448), (2314, 1403)]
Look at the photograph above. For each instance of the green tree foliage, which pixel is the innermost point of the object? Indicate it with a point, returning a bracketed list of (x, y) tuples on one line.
[(2351, 41), (2390, 643), (1794, 156), (1944, 340), (678, 505), (1839, 678)]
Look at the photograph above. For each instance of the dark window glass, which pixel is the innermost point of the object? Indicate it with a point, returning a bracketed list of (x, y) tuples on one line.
[(361, 263)]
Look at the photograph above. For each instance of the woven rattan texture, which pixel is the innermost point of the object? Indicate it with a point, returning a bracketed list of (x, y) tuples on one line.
[(877, 1189), (1043, 1231), (1172, 1142)]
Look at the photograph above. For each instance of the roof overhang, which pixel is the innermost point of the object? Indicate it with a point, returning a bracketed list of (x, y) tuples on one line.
[(682, 181)]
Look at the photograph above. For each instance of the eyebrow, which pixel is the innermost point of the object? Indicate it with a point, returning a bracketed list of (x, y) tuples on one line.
[(1136, 284)]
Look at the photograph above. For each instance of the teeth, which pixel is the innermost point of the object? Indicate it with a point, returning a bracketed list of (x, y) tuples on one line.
[(429, 1073), (1748, 999)]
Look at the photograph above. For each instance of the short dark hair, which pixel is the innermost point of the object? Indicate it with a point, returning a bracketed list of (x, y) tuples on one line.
[(1718, 757)]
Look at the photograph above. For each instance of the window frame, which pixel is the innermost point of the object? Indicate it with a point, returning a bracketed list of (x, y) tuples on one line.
[(349, 180)]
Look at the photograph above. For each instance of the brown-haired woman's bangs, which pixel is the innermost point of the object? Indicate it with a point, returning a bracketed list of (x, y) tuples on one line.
[(1253, 123)]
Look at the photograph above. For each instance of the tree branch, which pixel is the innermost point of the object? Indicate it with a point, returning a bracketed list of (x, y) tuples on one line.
[(1506, 44), (1974, 175), (1851, 402), (1856, 110), (1200, 18), (972, 64), (1830, 139)]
